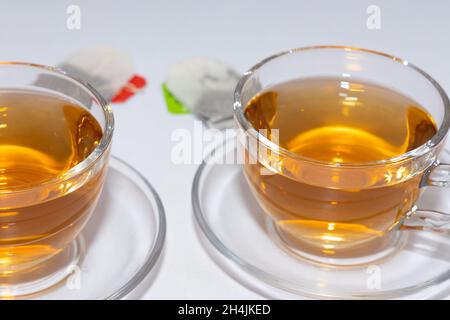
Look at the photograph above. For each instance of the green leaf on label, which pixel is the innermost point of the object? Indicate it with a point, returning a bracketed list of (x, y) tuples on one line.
[(174, 106)]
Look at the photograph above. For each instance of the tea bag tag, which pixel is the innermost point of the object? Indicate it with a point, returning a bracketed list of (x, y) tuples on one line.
[(108, 70), (205, 87)]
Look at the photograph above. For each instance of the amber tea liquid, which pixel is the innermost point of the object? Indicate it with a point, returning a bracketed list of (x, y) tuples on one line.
[(41, 138), (321, 208)]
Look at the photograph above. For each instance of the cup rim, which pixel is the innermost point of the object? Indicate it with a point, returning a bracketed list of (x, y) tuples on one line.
[(101, 147), (417, 152)]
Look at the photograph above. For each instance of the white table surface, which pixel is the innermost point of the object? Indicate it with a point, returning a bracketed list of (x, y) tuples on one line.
[(159, 33)]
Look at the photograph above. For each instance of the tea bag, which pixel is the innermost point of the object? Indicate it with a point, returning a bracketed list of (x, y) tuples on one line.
[(108, 70), (205, 87)]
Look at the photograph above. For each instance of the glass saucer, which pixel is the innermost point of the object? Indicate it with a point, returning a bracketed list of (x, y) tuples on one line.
[(235, 226), (121, 243)]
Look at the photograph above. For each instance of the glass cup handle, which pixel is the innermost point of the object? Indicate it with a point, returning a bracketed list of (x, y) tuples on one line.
[(429, 220), (438, 175)]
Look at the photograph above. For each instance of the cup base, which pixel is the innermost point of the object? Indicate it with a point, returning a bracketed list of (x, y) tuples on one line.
[(364, 254), (43, 276)]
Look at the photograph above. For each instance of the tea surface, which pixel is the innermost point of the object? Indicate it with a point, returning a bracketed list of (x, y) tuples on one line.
[(339, 121), (41, 137)]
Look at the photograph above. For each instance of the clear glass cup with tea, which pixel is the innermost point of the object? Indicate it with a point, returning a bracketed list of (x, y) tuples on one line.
[(55, 137), (339, 142)]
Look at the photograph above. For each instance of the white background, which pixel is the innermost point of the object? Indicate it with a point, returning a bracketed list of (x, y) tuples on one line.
[(159, 33)]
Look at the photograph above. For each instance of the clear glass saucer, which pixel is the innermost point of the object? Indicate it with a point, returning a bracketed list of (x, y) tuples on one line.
[(236, 227), (121, 243)]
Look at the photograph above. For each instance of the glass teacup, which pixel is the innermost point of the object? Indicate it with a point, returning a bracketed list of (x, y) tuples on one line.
[(40, 221), (340, 213)]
